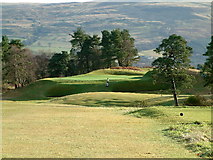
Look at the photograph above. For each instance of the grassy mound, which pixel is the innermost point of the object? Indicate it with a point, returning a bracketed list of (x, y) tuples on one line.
[(36, 90), (90, 82), (121, 80), (144, 84)]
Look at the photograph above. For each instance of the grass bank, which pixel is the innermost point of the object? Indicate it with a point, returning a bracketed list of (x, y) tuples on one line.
[(118, 99)]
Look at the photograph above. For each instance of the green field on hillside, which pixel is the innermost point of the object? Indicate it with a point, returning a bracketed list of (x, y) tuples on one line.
[(122, 112), (91, 82)]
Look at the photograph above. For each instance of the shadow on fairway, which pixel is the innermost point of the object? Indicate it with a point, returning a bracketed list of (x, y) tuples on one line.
[(34, 91), (148, 112)]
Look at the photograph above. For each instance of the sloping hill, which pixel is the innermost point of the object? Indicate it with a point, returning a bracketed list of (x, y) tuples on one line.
[(91, 82), (47, 26)]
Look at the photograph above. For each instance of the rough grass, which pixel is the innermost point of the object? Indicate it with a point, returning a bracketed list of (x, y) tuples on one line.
[(195, 135), (193, 129), (45, 130)]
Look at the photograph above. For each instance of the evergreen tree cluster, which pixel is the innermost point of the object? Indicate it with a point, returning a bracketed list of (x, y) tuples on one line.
[(90, 52)]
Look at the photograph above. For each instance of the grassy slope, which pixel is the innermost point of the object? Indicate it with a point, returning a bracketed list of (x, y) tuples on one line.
[(55, 130), (120, 81), (111, 99), (91, 82)]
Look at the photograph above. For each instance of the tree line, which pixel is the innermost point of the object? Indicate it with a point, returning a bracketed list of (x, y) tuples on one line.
[(87, 53), (91, 52)]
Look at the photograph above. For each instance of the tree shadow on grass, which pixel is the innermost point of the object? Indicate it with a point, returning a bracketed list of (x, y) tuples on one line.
[(162, 101), (109, 103), (148, 112), (34, 91), (137, 78)]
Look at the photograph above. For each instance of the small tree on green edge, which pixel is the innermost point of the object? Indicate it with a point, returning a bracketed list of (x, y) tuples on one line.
[(172, 67), (208, 66)]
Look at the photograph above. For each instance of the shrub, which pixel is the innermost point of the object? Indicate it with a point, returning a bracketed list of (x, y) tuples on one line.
[(123, 72), (195, 101)]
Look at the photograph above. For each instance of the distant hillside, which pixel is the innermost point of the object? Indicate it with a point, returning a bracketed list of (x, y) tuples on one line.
[(47, 26)]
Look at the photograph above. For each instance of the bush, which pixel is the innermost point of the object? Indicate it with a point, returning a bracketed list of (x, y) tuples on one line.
[(196, 101), (123, 72)]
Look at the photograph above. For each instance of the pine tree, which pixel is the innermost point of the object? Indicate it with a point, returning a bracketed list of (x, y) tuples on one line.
[(208, 66), (172, 67)]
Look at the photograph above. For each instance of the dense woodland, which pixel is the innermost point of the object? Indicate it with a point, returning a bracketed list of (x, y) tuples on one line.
[(91, 52)]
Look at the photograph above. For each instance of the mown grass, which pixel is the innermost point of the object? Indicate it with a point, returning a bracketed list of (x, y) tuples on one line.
[(146, 85), (48, 130), (91, 82), (35, 91)]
